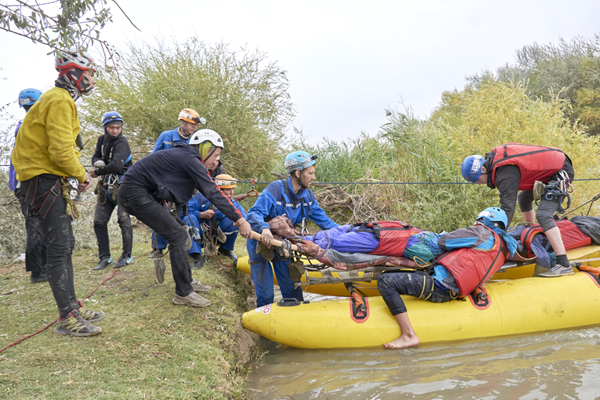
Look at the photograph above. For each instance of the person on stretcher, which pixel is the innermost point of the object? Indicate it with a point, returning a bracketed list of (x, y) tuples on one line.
[(368, 244)]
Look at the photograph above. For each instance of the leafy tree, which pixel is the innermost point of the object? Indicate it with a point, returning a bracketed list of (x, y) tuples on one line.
[(242, 96), (568, 70), (59, 24), (475, 120)]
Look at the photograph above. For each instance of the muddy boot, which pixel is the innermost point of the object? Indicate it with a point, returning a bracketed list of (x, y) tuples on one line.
[(193, 299), (39, 277), (75, 325), (198, 287), (227, 253)]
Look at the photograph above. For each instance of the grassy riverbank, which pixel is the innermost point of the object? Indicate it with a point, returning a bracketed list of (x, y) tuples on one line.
[(149, 348)]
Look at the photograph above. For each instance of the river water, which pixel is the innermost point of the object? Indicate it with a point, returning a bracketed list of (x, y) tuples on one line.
[(553, 365)]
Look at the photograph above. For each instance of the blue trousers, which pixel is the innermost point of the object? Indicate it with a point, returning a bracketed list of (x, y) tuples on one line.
[(158, 242), (262, 276)]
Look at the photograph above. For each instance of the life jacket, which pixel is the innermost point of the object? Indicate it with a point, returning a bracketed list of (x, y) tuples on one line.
[(392, 235), (536, 163), (572, 236), (472, 267)]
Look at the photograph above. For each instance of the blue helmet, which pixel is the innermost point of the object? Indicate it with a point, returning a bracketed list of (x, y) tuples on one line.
[(494, 214), (110, 117), (299, 160), (28, 97), (471, 168)]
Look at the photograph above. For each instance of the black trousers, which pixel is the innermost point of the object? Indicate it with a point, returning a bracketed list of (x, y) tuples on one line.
[(102, 214), (138, 201), (35, 250), (57, 236)]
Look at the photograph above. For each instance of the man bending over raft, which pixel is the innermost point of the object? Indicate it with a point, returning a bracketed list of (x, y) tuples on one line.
[(514, 167), (472, 255)]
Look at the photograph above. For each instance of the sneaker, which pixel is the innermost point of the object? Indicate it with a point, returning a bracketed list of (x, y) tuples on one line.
[(39, 278), (193, 299), (198, 261), (104, 262), (198, 287), (123, 261), (89, 315), (227, 253), (159, 269), (75, 325), (156, 253), (558, 270)]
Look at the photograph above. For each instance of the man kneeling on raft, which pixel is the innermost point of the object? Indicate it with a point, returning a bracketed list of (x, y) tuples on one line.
[(471, 256)]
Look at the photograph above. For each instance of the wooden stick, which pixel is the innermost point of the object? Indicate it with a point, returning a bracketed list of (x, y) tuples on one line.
[(276, 243)]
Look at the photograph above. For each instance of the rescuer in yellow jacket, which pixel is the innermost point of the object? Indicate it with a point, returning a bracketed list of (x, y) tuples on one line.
[(44, 157)]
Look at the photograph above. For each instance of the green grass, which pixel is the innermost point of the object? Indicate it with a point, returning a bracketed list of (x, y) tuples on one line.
[(149, 348)]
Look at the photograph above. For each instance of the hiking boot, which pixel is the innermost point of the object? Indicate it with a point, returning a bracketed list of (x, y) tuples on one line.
[(38, 278), (156, 253), (89, 315), (75, 325), (193, 299), (198, 261), (198, 287), (558, 270), (124, 260), (227, 253), (104, 262), (159, 269)]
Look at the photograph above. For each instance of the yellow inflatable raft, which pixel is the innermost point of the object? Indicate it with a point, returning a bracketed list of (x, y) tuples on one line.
[(512, 307), (370, 288)]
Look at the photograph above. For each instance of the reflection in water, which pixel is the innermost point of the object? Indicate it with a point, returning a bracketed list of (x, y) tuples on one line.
[(563, 364)]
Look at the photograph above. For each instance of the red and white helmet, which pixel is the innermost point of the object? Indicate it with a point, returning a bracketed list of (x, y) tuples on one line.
[(66, 60)]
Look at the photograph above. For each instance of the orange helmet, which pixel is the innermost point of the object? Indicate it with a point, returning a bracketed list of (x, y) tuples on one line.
[(225, 181), (189, 115)]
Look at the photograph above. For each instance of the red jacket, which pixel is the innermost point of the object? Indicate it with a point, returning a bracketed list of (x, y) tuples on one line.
[(536, 163), (472, 267), (392, 235), (571, 235)]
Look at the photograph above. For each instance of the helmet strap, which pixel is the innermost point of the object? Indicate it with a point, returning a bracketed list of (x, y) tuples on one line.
[(210, 153)]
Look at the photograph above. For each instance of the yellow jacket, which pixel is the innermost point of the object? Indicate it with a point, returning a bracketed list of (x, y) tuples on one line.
[(45, 143)]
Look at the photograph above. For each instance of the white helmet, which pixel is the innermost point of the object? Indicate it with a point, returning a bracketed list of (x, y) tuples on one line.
[(66, 60), (207, 135)]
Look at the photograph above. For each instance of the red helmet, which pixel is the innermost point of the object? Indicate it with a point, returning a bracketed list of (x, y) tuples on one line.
[(67, 60)]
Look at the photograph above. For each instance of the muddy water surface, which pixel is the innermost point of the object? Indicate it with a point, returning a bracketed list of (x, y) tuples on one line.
[(554, 365)]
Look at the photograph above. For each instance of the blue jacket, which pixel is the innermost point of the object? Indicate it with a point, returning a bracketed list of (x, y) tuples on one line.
[(167, 140), (12, 175), (196, 205), (275, 200), (225, 223)]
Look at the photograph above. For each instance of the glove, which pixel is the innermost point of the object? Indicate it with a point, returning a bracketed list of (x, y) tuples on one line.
[(296, 270), (266, 252)]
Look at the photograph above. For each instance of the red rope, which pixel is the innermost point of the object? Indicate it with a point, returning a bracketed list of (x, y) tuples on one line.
[(53, 322), (214, 249)]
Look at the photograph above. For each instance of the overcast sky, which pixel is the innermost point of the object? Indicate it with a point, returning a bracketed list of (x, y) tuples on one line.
[(347, 61)]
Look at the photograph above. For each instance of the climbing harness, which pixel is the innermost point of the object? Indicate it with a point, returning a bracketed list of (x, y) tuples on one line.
[(556, 190)]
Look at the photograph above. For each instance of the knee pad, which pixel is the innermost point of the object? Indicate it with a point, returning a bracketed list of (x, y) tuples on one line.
[(525, 200)]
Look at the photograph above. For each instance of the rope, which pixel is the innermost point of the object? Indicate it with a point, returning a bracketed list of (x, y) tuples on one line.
[(53, 322), (395, 183)]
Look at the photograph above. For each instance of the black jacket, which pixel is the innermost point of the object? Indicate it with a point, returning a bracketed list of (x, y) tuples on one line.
[(173, 174), (115, 153)]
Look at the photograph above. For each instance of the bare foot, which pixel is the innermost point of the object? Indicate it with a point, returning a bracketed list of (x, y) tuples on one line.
[(403, 341)]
